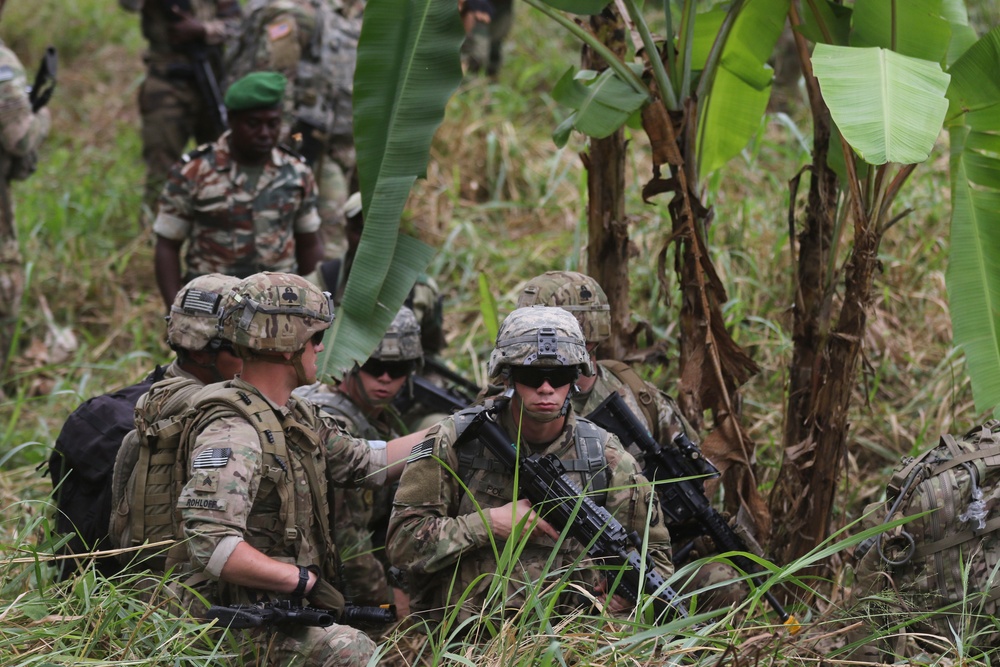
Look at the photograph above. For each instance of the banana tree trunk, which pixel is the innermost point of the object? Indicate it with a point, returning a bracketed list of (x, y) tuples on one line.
[(607, 226)]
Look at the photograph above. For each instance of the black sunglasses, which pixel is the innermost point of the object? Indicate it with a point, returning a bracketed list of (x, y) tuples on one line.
[(317, 337), (395, 369), (536, 376)]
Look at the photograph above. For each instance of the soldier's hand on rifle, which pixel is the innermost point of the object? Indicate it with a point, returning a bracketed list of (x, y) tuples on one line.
[(617, 604), (503, 519), (186, 28)]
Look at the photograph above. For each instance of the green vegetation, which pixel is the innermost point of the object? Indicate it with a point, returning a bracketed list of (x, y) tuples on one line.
[(500, 202)]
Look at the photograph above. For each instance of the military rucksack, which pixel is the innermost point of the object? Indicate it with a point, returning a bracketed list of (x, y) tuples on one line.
[(152, 467), (81, 467), (939, 569), (647, 401)]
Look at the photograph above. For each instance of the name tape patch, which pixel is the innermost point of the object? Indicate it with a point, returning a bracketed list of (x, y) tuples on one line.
[(212, 458), (217, 504)]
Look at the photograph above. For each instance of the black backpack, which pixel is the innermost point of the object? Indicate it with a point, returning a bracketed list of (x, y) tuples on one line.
[(81, 467)]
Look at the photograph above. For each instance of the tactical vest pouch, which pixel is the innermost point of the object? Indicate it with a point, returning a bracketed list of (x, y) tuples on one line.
[(945, 562)]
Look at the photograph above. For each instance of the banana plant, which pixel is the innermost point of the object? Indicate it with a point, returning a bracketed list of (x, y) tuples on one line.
[(882, 81), (408, 67), (699, 93)]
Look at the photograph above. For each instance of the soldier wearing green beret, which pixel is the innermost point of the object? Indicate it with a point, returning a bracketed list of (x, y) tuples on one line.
[(243, 204)]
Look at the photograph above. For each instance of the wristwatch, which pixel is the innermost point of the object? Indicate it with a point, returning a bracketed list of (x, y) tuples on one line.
[(300, 589)]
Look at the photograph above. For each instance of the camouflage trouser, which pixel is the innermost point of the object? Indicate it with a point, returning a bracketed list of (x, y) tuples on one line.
[(11, 277), (301, 646), (172, 113), (483, 48)]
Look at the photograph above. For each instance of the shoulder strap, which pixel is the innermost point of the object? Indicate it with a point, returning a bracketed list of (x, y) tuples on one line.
[(590, 453), (647, 401)]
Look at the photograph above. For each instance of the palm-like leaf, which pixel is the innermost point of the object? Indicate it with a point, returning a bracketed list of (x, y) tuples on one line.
[(408, 67), (600, 107), (889, 107), (913, 28), (741, 85), (974, 265)]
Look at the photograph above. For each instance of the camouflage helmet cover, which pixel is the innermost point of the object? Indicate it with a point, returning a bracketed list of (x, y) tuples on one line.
[(575, 292), (401, 341), (275, 312), (194, 319), (539, 336)]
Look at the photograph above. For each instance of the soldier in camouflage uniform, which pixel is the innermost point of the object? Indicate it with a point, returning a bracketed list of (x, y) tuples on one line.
[(437, 535), (21, 133), (242, 204), (314, 44), (172, 108), (362, 405), (256, 524), (583, 296)]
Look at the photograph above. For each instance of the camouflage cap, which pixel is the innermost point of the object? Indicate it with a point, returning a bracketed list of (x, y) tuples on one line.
[(257, 90), (539, 336), (575, 292), (194, 321), (275, 312), (401, 341)]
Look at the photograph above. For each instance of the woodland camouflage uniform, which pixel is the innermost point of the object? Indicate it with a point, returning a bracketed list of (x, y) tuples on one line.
[(436, 533), (21, 134), (232, 226), (171, 107), (314, 44)]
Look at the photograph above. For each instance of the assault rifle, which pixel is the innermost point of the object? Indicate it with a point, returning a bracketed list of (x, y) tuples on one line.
[(268, 613), (681, 494), (204, 75), (461, 395), (556, 498), (41, 91)]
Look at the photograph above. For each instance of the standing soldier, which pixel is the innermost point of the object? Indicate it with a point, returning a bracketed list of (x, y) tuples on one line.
[(176, 101), (362, 405), (314, 44), (21, 132)]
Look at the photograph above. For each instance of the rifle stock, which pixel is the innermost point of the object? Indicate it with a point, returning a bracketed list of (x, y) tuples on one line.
[(677, 474), (557, 499)]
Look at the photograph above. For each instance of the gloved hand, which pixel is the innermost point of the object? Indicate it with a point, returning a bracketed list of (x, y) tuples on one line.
[(324, 596)]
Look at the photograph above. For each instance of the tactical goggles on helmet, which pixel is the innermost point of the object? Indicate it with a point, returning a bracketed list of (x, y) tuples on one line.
[(395, 369), (536, 376)]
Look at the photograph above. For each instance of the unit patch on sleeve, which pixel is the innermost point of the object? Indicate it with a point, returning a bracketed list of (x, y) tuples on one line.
[(212, 458), (422, 450)]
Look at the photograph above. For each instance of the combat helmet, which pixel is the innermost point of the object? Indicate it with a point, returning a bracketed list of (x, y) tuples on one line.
[(194, 322), (575, 292), (272, 313), (401, 341), (539, 336)]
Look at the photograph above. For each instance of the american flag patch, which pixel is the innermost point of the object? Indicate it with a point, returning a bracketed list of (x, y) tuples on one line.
[(421, 451), (212, 458)]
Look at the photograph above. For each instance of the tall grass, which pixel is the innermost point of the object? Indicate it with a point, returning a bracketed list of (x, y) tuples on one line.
[(500, 202)]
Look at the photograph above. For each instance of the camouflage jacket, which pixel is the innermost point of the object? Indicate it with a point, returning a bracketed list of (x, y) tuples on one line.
[(21, 131), (221, 19), (436, 533), (228, 469), (232, 228), (670, 420)]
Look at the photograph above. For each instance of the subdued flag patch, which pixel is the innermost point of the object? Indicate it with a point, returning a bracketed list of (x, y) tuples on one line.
[(212, 458), (422, 450)]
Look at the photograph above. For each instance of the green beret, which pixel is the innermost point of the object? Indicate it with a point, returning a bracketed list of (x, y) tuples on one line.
[(257, 90)]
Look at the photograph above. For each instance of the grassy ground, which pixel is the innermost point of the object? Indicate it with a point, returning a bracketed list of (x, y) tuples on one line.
[(499, 201)]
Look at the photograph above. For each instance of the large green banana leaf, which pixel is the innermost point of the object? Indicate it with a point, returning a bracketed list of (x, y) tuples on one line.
[(889, 107), (974, 264), (916, 26), (600, 107), (408, 67), (731, 112)]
